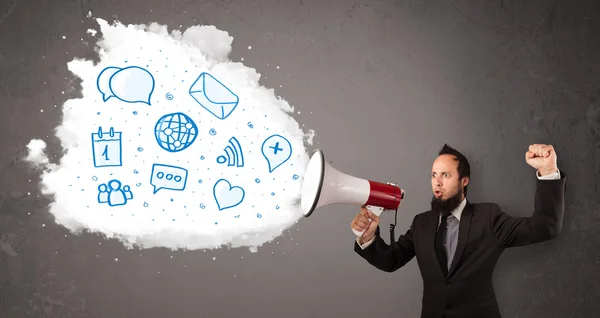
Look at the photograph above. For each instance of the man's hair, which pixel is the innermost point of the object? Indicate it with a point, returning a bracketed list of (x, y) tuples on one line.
[(464, 169)]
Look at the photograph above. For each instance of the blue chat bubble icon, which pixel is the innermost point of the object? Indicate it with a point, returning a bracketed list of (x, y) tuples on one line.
[(277, 150), (168, 177), (103, 82), (131, 84)]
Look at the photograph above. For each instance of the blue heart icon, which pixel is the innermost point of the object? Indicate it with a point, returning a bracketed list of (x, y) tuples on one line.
[(227, 196)]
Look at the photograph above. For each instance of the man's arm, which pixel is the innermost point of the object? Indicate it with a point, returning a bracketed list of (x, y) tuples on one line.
[(547, 219), (385, 257)]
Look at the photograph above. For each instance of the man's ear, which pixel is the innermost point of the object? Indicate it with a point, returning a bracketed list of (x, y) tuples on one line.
[(465, 181)]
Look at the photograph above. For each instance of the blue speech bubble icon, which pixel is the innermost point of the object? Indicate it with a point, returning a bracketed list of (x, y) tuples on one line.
[(277, 150), (103, 82), (131, 84), (168, 177), (227, 196)]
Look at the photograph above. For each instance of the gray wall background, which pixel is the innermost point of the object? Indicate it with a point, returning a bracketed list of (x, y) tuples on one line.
[(388, 83)]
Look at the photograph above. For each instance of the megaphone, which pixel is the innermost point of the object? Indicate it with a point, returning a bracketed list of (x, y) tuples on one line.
[(324, 185)]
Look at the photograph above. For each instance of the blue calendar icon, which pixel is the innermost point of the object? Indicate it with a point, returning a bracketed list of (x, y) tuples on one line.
[(106, 148)]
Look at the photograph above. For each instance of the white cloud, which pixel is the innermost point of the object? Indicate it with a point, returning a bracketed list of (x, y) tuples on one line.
[(188, 219), (36, 153)]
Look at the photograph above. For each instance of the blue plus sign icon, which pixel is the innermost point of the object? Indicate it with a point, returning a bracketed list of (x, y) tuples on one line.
[(277, 150)]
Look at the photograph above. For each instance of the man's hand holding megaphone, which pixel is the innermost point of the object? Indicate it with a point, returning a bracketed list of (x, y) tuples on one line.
[(367, 221)]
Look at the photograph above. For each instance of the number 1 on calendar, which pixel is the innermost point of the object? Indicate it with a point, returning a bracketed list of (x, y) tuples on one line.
[(106, 148), (105, 153)]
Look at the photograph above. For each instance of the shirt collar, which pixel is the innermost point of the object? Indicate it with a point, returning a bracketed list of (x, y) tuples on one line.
[(457, 212)]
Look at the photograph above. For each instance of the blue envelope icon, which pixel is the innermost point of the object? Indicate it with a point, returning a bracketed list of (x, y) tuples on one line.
[(214, 96)]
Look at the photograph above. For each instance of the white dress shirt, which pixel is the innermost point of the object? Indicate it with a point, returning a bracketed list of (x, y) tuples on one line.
[(458, 210)]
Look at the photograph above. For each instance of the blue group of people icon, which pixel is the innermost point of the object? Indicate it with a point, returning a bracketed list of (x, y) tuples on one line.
[(113, 194)]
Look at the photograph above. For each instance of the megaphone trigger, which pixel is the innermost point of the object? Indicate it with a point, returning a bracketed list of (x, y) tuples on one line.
[(375, 209)]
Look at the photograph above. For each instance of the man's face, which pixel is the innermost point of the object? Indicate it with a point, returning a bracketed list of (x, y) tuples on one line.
[(446, 185)]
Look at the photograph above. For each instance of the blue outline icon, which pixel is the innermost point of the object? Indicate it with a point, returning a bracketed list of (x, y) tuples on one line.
[(107, 150), (213, 95), (227, 196), (169, 133), (132, 84), (113, 194), (234, 155), (277, 151), (168, 177)]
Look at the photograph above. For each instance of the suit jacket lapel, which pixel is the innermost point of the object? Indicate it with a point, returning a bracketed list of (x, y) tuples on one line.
[(464, 229)]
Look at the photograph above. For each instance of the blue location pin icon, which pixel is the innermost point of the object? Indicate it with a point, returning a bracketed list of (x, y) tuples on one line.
[(277, 150)]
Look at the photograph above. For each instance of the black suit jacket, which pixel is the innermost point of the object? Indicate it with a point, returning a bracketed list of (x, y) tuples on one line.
[(484, 232)]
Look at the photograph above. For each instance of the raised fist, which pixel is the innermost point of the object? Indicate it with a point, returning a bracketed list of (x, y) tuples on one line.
[(542, 158)]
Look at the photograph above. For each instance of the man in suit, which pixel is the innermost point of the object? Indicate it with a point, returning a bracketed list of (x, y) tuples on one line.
[(457, 243)]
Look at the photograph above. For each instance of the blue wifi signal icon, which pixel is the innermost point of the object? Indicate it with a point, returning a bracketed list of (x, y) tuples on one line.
[(233, 154)]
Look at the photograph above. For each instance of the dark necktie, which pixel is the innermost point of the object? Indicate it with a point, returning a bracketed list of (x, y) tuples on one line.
[(439, 242)]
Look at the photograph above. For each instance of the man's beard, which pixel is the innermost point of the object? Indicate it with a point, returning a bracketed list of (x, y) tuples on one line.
[(440, 205)]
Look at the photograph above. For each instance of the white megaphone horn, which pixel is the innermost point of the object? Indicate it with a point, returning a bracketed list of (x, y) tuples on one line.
[(324, 185)]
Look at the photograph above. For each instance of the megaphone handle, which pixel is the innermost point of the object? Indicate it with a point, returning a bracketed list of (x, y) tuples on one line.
[(375, 210)]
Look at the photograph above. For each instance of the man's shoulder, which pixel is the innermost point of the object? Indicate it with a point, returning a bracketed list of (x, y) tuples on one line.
[(484, 206), (422, 216)]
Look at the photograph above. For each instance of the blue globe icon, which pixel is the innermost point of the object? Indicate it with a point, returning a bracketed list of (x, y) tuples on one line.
[(175, 132)]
